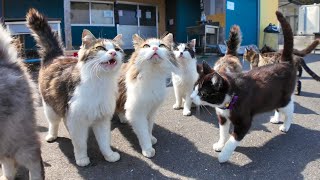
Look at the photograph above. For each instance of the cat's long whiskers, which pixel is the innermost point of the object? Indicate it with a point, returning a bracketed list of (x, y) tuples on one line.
[(207, 109)]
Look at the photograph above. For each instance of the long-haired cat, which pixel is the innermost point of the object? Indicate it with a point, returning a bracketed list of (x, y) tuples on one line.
[(82, 91), (261, 59), (230, 62), (19, 142), (143, 86), (237, 97), (185, 77)]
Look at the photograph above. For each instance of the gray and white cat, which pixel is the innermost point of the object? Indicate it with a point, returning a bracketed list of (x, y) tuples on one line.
[(184, 79), (82, 91), (19, 142), (142, 86)]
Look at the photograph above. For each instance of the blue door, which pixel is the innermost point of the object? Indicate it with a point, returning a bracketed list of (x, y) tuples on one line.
[(245, 14)]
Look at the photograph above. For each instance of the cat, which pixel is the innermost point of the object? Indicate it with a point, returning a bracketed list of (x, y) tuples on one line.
[(230, 62), (82, 91), (184, 79), (257, 60), (237, 97), (142, 86), (19, 142)]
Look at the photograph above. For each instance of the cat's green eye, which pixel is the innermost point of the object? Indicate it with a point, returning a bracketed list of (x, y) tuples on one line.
[(101, 48), (146, 46), (162, 46)]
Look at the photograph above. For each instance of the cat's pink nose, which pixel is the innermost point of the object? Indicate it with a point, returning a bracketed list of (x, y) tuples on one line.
[(112, 53), (155, 48)]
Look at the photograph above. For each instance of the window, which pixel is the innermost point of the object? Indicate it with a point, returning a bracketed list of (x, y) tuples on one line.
[(95, 13)]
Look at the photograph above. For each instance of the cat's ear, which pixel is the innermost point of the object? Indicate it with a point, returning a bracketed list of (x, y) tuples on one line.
[(87, 38), (199, 69), (168, 39), (193, 44), (206, 67), (137, 41), (118, 39)]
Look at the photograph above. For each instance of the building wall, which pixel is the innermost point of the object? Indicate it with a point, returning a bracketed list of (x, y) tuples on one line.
[(267, 16)]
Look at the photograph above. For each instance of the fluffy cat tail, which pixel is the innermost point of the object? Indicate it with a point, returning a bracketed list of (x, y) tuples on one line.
[(234, 40), (307, 50), (288, 38), (308, 70), (48, 41), (8, 52)]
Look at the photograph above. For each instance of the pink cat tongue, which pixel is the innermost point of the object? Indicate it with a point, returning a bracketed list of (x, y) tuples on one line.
[(155, 56)]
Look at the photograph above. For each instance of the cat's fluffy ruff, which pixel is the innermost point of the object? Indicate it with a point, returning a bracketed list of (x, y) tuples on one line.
[(80, 91), (185, 77), (19, 142), (143, 86)]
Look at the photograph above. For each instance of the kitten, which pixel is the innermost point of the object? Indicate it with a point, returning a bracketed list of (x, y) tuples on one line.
[(19, 142), (257, 60), (237, 97), (142, 86), (230, 62), (82, 91), (184, 79)]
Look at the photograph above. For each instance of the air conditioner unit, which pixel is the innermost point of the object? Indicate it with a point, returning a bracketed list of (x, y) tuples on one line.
[(309, 19)]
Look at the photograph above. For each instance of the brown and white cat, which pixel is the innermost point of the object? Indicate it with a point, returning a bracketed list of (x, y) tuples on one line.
[(143, 86), (82, 91), (19, 142), (185, 77), (237, 97), (256, 60), (230, 62)]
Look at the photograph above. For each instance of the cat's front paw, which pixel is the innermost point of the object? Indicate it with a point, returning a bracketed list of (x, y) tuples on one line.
[(186, 112), (50, 138), (5, 178), (153, 140), (149, 153), (283, 128), (218, 146), (223, 157), (83, 161), (112, 157), (274, 120), (176, 106)]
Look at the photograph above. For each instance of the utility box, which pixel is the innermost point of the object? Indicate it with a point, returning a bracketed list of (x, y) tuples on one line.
[(309, 19)]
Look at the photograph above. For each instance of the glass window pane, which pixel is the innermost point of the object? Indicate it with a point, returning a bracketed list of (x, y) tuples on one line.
[(80, 13), (101, 13), (148, 16)]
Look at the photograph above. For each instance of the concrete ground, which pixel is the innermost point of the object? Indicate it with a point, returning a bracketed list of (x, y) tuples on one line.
[(184, 148)]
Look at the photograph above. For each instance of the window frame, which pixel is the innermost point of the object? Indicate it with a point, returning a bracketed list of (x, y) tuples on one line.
[(90, 4)]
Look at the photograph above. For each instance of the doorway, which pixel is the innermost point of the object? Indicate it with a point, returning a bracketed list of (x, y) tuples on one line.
[(136, 19)]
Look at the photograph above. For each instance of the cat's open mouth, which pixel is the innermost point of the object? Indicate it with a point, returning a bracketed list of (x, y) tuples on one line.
[(110, 63), (155, 56)]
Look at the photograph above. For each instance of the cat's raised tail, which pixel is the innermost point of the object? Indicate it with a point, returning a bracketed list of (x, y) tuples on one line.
[(234, 41), (48, 41), (8, 51), (288, 38)]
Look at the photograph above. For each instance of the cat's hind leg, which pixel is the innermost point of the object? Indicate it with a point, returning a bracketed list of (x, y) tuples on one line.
[(102, 131), (54, 120), (287, 111), (31, 159), (276, 118), (8, 169)]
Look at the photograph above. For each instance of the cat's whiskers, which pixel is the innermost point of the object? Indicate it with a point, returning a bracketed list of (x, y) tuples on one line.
[(206, 109)]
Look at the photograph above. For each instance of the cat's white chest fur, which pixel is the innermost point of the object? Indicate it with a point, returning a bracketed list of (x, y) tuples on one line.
[(147, 91), (94, 99), (223, 112), (185, 77)]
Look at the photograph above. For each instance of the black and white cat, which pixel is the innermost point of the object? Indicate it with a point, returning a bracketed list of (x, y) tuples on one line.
[(237, 97), (186, 76)]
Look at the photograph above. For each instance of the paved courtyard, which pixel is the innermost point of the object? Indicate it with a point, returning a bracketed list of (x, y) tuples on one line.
[(184, 148)]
